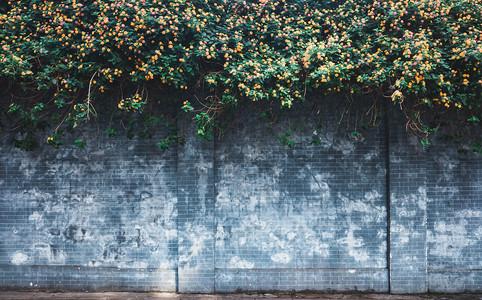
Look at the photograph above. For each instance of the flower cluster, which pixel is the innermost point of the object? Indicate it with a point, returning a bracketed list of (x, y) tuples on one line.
[(73, 51), (132, 104)]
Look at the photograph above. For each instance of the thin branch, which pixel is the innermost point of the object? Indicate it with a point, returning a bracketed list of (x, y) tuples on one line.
[(88, 97)]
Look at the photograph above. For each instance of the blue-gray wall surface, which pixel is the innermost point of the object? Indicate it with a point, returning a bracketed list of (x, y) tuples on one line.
[(366, 212)]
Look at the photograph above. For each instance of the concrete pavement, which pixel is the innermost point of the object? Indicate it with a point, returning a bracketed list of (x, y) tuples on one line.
[(16, 295)]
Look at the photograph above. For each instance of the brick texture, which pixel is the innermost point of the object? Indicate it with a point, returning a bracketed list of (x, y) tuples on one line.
[(408, 217), (196, 216), (454, 220), (305, 209), (360, 212), (103, 218)]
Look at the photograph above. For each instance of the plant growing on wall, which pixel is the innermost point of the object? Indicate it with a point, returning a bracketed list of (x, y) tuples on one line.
[(67, 62)]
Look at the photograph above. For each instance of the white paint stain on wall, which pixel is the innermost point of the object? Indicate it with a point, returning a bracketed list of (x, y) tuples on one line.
[(318, 185), (19, 258), (320, 249), (354, 245), (138, 264), (199, 236), (37, 219), (238, 263), (403, 233), (49, 253), (28, 165), (345, 146), (239, 195), (422, 201), (281, 257), (220, 235), (145, 240), (449, 239)]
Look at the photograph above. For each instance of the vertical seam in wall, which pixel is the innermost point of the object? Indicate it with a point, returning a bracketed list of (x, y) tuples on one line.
[(214, 213), (387, 190), (176, 274), (426, 220)]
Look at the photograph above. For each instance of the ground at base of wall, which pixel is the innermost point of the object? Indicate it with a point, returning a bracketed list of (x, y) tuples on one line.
[(15, 295)]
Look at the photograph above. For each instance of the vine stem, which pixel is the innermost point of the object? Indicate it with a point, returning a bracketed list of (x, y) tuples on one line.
[(88, 96)]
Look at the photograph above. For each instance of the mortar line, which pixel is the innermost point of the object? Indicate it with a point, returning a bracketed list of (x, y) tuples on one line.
[(300, 269), (81, 267)]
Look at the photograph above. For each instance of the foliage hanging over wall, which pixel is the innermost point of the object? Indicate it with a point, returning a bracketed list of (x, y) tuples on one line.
[(66, 62)]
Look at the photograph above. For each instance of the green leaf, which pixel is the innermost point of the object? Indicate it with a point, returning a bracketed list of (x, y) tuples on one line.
[(80, 143)]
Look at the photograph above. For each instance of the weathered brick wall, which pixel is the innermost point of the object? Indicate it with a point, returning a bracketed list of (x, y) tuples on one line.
[(304, 218), (407, 184), (359, 212), (100, 218), (454, 220), (196, 216)]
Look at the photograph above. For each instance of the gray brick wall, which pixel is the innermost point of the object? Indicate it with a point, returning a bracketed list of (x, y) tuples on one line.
[(454, 212), (196, 216), (408, 213), (358, 212), (91, 219), (232, 280), (317, 209)]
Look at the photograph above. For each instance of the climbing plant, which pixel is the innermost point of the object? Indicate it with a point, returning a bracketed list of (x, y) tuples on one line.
[(70, 61)]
